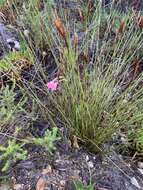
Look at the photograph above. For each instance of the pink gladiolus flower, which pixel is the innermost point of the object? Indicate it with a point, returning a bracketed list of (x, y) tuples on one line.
[(53, 85)]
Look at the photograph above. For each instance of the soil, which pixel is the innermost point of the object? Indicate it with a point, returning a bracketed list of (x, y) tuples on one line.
[(109, 171), (68, 164)]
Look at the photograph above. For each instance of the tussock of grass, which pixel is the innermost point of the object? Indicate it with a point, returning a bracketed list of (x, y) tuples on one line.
[(93, 98)]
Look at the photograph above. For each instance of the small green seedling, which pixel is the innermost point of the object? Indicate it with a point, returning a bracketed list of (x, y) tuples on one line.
[(48, 140), (80, 186)]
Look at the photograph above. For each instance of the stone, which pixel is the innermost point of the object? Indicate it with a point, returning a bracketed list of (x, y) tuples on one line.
[(87, 158), (135, 182), (140, 165), (26, 33), (13, 44), (47, 170), (5, 187), (140, 170), (8, 39), (18, 186), (62, 183), (90, 164)]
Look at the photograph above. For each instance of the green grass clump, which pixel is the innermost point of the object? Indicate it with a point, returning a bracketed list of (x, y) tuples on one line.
[(94, 73), (40, 28), (89, 103)]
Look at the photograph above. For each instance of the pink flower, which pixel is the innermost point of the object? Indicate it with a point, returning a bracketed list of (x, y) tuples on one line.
[(53, 85)]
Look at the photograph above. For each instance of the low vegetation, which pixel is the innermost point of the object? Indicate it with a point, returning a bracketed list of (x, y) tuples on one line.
[(94, 88), (80, 186)]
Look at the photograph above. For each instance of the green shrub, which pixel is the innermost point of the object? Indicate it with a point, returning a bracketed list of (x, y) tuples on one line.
[(14, 151), (48, 140), (11, 153), (13, 63), (9, 109)]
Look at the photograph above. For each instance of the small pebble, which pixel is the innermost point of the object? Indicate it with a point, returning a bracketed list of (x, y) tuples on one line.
[(123, 140), (44, 53), (13, 44), (62, 183), (18, 186), (141, 171), (116, 89), (140, 165), (129, 95), (47, 170), (87, 158), (26, 33), (125, 101), (135, 182), (17, 46), (90, 164)]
